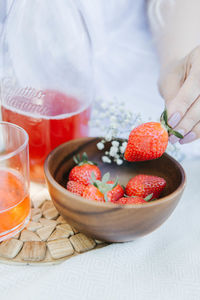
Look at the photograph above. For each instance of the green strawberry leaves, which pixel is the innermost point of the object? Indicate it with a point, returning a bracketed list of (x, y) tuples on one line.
[(76, 159), (170, 130), (177, 134), (93, 179), (148, 198), (102, 185), (84, 160), (105, 178), (165, 116)]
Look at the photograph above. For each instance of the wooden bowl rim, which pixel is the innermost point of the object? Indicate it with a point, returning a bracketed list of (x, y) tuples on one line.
[(110, 204)]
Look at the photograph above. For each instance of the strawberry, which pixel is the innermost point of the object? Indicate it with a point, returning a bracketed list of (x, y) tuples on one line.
[(133, 200), (149, 140), (82, 172), (103, 190), (75, 187), (91, 192), (116, 193), (143, 185)]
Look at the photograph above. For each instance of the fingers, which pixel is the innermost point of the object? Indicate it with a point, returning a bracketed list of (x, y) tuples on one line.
[(188, 122), (178, 107), (191, 118), (192, 135), (184, 108), (171, 81)]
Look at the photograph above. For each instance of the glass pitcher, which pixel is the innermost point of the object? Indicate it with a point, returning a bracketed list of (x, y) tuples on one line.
[(46, 74)]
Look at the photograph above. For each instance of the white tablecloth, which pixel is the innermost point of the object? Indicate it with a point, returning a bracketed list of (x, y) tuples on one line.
[(163, 265)]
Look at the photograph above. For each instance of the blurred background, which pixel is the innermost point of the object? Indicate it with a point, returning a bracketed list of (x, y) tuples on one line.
[(118, 61), (124, 60)]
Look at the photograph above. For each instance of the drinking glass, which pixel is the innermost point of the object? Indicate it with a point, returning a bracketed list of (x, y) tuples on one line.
[(47, 77), (14, 180)]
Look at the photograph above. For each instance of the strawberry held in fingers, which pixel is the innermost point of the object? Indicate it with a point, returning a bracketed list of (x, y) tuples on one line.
[(149, 140), (75, 187), (82, 172), (144, 185)]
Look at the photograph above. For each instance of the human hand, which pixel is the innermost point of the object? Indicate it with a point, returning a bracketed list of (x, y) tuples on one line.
[(179, 85)]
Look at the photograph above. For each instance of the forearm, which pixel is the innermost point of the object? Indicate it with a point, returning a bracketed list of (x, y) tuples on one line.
[(175, 27)]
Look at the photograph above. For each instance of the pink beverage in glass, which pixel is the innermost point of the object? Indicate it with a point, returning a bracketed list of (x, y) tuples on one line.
[(14, 180), (50, 119), (14, 203)]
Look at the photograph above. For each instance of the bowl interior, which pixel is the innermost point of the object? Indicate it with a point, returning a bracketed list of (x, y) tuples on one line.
[(60, 162)]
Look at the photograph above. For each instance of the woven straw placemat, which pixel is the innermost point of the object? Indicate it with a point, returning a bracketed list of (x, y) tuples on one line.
[(47, 238)]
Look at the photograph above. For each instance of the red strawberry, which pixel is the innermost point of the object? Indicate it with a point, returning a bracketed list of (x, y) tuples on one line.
[(116, 193), (133, 200), (104, 190), (83, 171), (91, 192), (76, 187), (143, 185), (149, 140)]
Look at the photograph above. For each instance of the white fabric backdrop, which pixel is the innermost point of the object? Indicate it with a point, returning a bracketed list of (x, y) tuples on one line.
[(164, 265)]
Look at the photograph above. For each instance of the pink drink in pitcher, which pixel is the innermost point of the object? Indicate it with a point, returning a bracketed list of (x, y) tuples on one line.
[(49, 120)]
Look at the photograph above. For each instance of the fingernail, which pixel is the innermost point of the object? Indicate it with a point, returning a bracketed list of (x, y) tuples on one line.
[(191, 136), (174, 139), (174, 119)]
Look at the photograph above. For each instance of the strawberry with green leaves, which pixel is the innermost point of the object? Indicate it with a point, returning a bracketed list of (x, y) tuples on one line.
[(103, 190), (149, 140), (84, 169), (91, 192), (133, 200), (143, 185), (76, 187)]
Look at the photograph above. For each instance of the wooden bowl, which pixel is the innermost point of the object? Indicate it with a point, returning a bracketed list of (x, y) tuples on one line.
[(108, 221)]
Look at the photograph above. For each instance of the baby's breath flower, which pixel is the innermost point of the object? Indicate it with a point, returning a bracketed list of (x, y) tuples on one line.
[(108, 137), (114, 132), (124, 144), (122, 149), (113, 151), (116, 157), (114, 125), (119, 161), (106, 159), (115, 143), (113, 119), (100, 146)]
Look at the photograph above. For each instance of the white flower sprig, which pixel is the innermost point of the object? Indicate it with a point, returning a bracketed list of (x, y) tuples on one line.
[(112, 120)]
